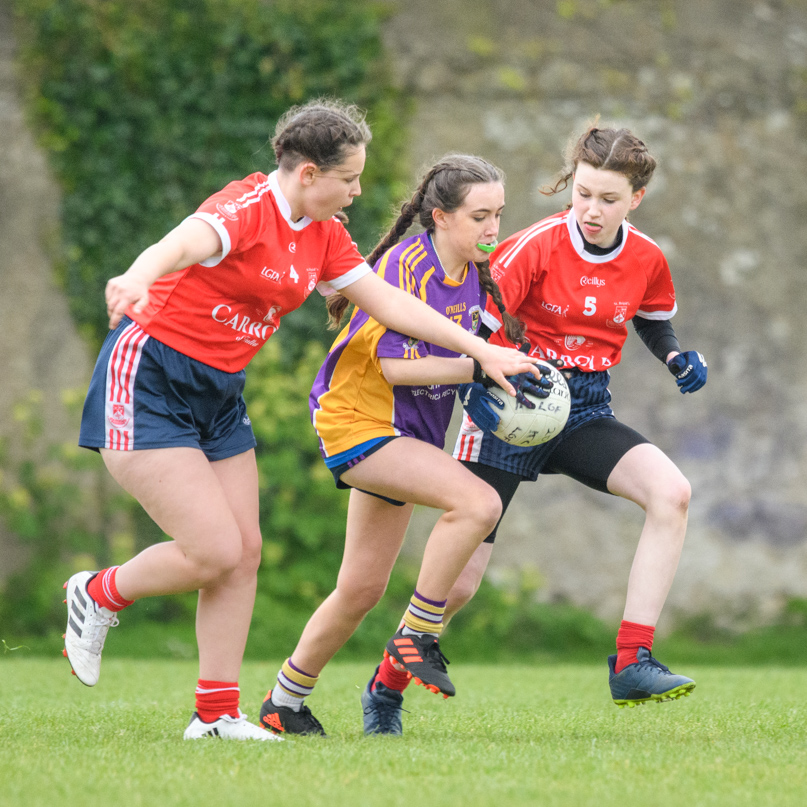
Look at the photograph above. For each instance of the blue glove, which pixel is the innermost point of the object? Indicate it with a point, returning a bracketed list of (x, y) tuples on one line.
[(689, 370), (481, 403), (523, 382), (527, 382)]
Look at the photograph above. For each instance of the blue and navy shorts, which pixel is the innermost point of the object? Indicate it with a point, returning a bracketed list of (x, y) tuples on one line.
[(591, 401), (345, 460), (144, 394)]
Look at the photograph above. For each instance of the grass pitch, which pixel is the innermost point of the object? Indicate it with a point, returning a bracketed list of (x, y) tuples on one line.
[(514, 735)]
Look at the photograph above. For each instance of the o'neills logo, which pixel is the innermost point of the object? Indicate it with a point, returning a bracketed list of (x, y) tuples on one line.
[(591, 281), (241, 323)]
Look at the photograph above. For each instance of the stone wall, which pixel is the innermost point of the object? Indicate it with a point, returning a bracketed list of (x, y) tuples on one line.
[(718, 90), (41, 353)]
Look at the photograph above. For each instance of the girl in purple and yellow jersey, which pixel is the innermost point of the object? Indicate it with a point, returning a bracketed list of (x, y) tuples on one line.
[(381, 405)]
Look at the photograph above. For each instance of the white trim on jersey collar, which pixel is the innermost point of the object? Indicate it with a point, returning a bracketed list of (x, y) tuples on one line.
[(580, 247), (284, 206)]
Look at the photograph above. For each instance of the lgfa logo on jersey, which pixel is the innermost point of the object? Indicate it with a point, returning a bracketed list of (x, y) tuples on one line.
[(271, 274), (554, 308)]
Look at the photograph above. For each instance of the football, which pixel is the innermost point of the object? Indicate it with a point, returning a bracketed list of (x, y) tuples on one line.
[(522, 426)]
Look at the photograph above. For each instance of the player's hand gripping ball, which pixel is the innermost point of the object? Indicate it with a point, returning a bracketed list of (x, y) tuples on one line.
[(482, 404), (689, 369), (537, 413), (521, 425)]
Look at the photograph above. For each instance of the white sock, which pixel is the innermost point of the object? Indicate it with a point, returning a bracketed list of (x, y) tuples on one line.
[(409, 632), (282, 698)]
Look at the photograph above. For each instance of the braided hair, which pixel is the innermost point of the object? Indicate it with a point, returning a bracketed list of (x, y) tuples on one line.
[(444, 187)]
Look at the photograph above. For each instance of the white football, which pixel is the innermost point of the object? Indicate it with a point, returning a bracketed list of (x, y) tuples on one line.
[(521, 426)]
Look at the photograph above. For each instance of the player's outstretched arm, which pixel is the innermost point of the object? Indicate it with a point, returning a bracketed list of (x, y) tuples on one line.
[(406, 314), (190, 242)]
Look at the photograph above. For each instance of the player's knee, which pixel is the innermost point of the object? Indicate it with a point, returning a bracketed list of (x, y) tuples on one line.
[(484, 506), (361, 596), (681, 494), (673, 496), (218, 561), (251, 553)]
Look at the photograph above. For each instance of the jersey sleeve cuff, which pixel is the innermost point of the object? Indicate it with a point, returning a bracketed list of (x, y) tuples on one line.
[(657, 314), (221, 230), (339, 283)]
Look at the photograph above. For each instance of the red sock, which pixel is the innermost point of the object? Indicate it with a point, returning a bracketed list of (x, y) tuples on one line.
[(216, 698), (390, 677), (630, 638), (103, 590)]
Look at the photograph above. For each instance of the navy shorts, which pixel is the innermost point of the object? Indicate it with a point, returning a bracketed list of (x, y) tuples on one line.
[(144, 394), (590, 401), (345, 460)]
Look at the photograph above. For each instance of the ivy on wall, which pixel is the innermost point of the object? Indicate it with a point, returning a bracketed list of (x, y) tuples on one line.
[(147, 107)]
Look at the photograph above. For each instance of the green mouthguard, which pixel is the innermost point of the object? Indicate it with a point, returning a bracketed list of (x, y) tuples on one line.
[(488, 247)]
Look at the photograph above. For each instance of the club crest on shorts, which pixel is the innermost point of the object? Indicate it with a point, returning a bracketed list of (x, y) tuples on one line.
[(118, 417)]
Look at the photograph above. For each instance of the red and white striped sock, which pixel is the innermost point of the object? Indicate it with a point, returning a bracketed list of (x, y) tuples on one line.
[(216, 698), (103, 590)]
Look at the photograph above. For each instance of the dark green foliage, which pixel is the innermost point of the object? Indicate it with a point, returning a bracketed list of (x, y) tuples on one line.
[(147, 107)]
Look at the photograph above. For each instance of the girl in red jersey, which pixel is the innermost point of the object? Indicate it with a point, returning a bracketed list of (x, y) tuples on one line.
[(381, 405), (165, 408), (576, 279)]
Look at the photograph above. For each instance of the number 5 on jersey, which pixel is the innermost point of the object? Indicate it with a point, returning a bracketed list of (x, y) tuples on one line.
[(591, 306)]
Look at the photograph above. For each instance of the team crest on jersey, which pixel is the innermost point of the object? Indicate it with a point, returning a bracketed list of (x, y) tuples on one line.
[(476, 315), (118, 418), (573, 342), (620, 315), (229, 209), (313, 274)]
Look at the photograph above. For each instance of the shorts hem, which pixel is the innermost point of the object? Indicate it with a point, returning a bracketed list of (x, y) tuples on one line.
[(212, 455)]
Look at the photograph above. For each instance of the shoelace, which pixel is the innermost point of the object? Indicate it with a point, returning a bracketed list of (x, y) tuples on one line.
[(96, 623), (435, 655), (652, 662), (385, 713)]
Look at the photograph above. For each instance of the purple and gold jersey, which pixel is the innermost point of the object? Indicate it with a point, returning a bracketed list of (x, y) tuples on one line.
[(351, 401)]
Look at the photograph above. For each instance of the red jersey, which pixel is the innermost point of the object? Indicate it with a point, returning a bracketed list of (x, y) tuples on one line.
[(576, 305), (222, 310)]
